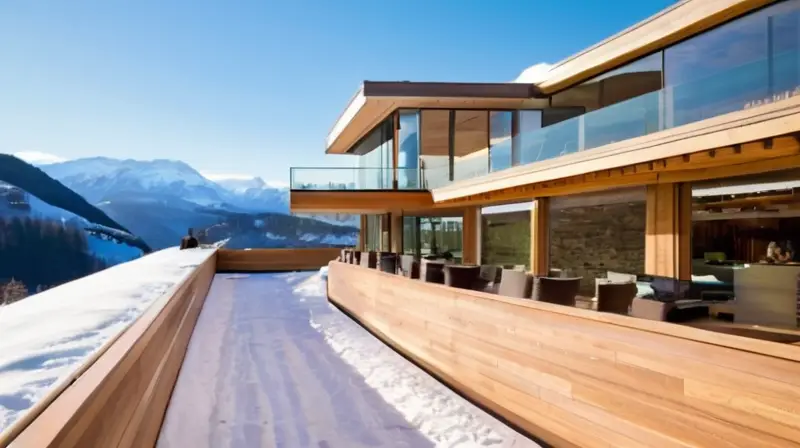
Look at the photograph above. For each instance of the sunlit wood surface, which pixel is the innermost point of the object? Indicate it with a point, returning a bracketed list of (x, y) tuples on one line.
[(264, 260), (582, 378)]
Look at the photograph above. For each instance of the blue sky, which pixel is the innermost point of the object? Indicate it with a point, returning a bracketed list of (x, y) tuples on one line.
[(253, 87)]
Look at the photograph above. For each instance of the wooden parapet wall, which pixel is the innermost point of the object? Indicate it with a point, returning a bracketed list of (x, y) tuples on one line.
[(265, 260), (581, 378), (121, 398)]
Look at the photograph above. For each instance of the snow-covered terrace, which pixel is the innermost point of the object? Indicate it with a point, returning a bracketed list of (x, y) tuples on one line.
[(268, 362)]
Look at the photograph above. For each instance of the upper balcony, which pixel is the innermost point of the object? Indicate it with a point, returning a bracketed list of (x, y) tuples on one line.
[(696, 95)]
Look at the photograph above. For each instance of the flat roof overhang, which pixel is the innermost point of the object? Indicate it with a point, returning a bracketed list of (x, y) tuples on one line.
[(375, 101)]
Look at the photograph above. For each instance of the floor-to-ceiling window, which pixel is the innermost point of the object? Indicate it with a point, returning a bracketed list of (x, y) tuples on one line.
[(593, 234), (506, 235), (471, 144), (408, 150), (373, 233), (376, 158), (746, 62), (434, 148)]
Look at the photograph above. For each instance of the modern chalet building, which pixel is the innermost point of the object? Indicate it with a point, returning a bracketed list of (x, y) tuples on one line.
[(602, 256)]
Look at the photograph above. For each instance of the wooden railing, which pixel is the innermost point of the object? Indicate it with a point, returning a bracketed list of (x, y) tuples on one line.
[(265, 260), (576, 377), (120, 395), (121, 398)]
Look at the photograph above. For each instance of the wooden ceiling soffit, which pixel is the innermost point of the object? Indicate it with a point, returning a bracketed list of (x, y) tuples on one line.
[(750, 158)]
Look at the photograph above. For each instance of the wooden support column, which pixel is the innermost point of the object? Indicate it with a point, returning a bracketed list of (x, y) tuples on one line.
[(397, 233), (362, 233), (668, 249), (540, 236), (395, 148), (470, 236)]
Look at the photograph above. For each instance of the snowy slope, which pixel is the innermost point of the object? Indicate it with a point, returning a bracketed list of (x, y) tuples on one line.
[(80, 316), (100, 178), (113, 250)]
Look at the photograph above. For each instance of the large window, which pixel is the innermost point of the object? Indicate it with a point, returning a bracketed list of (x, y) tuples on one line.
[(506, 235), (435, 148), (471, 138), (408, 150), (592, 234), (528, 148), (376, 161), (742, 63)]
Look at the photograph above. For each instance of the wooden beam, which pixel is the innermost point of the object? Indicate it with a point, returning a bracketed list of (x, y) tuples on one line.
[(540, 236), (268, 260), (668, 231), (362, 233), (361, 202), (470, 244)]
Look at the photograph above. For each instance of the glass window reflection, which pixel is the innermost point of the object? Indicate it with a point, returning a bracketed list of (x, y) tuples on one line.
[(500, 123)]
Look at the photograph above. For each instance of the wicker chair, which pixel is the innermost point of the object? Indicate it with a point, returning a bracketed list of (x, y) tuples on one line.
[(615, 297), (460, 276), (409, 266), (514, 283), (560, 291), (432, 271)]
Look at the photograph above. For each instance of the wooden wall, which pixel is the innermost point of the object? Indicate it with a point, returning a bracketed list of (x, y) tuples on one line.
[(263, 260), (121, 398), (580, 378)]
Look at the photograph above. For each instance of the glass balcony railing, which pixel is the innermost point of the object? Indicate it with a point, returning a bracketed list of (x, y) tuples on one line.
[(749, 85), (764, 81), (353, 179)]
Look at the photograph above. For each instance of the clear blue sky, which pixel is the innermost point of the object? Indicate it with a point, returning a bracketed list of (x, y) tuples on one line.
[(253, 87)]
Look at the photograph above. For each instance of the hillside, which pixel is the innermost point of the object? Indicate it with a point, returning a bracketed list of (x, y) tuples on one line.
[(36, 182), (159, 200)]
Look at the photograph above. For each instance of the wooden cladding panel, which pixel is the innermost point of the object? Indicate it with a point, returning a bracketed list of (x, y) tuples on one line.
[(581, 378), (471, 235), (361, 202), (121, 399), (668, 231), (263, 260), (540, 236)]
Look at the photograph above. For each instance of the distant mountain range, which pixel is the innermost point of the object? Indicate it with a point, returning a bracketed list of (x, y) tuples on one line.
[(159, 200)]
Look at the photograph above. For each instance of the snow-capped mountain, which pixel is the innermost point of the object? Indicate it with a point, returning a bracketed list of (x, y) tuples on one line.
[(100, 179)]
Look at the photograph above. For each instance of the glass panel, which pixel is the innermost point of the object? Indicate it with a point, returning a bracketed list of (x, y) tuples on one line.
[(376, 151), (594, 234), (506, 235), (338, 179), (524, 146), (500, 140), (411, 242), (435, 144), (373, 233), (441, 237), (471, 151), (745, 62), (621, 84), (408, 151), (745, 234)]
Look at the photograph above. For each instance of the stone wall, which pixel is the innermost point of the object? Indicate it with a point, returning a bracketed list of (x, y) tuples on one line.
[(589, 241)]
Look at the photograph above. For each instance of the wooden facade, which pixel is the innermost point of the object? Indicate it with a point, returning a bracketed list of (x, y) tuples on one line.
[(581, 378)]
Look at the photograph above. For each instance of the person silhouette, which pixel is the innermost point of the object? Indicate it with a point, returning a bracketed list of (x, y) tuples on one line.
[(189, 241)]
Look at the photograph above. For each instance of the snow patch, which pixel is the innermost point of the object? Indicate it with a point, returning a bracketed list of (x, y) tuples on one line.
[(435, 411), (38, 158), (534, 74), (48, 336)]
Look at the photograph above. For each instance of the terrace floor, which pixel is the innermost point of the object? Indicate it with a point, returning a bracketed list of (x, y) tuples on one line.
[(271, 363)]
